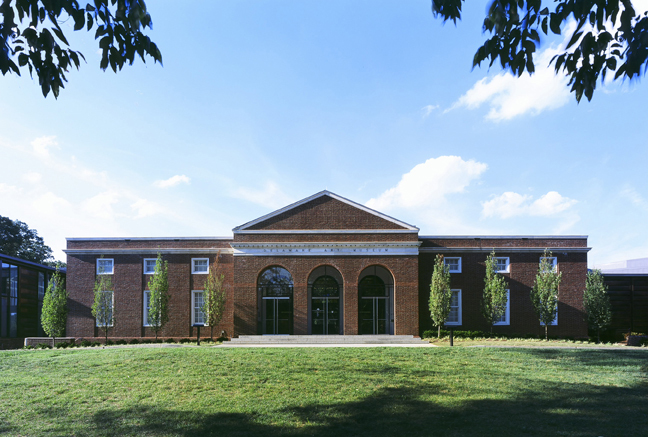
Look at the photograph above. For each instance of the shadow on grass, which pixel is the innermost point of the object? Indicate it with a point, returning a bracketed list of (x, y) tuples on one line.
[(559, 409)]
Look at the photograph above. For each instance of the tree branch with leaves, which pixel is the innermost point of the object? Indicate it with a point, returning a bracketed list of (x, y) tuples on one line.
[(610, 37), (31, 36)]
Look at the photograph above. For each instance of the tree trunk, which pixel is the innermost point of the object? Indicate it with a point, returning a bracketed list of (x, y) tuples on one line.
[(53, 342), (211, 329), (546, 332), (439, 332), (598, 335), (106, 332)]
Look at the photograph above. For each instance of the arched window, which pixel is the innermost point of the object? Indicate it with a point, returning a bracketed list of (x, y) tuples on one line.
[(275, 282), (372, 286), (326, 286)]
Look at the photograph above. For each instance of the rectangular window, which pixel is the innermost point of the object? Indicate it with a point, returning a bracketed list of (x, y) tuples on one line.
[(147, 306), (197, 314), (105, 316), (41, 286), (453, 263), (149, 265), (502, 265), (454, 317), (505, 319), (553, 261), (105, 266), (200, 266)]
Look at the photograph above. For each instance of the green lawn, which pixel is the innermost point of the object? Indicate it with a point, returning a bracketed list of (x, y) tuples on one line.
[(327, 391)]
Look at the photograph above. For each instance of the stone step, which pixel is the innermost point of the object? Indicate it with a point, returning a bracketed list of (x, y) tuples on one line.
[(323, 339)]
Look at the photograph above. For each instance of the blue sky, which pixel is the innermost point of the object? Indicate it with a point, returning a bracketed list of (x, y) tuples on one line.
[(262, 103)]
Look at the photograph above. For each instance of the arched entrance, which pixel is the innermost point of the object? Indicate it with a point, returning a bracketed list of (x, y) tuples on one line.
[(275, 289), (375, 297), (325, 294)]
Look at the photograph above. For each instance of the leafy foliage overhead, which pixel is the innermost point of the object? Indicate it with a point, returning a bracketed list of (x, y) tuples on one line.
[(17, 240), (609, 37), (31, 34)]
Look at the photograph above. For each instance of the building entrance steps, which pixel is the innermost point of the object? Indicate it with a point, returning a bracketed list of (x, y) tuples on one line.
[(325, 340)]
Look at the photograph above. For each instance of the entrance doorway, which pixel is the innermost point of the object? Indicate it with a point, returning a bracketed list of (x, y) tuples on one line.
[(325, 306), (375, 292), (275, 288), (277, 315)]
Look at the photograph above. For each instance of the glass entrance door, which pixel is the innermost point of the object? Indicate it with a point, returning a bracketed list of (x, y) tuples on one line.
[(325, 315), (277, 315), (373, 315)]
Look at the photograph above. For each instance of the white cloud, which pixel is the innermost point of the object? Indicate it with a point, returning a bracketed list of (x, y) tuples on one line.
[(270, 195), (427, 110), (146, 208), (41, 146), (172, 181), (512, 204), (32, 177), (633, 196), (509, 96), (428, 183), (101, 205)]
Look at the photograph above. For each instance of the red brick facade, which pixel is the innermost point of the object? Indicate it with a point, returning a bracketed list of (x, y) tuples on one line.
[(323, 230)]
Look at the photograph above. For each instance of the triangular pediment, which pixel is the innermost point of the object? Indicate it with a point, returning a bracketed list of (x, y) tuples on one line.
[(325, 211)]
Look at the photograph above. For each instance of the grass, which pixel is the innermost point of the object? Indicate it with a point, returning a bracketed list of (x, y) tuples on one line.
[(519, 342), (318, 392)]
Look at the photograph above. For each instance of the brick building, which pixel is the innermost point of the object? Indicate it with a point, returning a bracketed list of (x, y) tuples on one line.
[(323, 265)]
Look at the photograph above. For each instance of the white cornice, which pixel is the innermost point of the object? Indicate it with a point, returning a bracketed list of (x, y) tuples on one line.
[(502, 237), (151, 251), (499, 250), (316, 196), (150, 239), (326, 249), (327, 231)]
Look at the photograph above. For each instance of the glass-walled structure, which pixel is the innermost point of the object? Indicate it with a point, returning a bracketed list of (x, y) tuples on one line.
[(22, 289)]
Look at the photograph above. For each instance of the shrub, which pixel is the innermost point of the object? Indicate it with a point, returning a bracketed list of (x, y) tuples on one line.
[(147, 341), (185, 340), (134, 341), (109, 343), (95, 343), (43, 346), (85, 343), (170, 340), (226, 339), (121, 342), (61, 345), (29, 346), (158, 340)]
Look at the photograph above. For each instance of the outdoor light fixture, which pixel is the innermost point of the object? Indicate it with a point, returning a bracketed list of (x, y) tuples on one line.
[(198, 325)]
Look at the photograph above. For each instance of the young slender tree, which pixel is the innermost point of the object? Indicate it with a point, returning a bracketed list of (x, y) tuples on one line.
[(494, 297), (158, 314), (544, 294), (55, 309), (597, 302), (102, 307), (214, 296), (440, 293)]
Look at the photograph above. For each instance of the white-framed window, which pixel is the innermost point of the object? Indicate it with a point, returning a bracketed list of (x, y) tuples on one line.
[(105, 266), (454, 317), (147, 306), (502, 264), (197, 301), (200, 266), (553, 261), (106, 314), (149, 265), (453, 263), (506, 317)]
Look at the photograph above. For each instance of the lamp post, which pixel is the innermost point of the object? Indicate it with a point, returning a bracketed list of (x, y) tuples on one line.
[(198, 325)]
